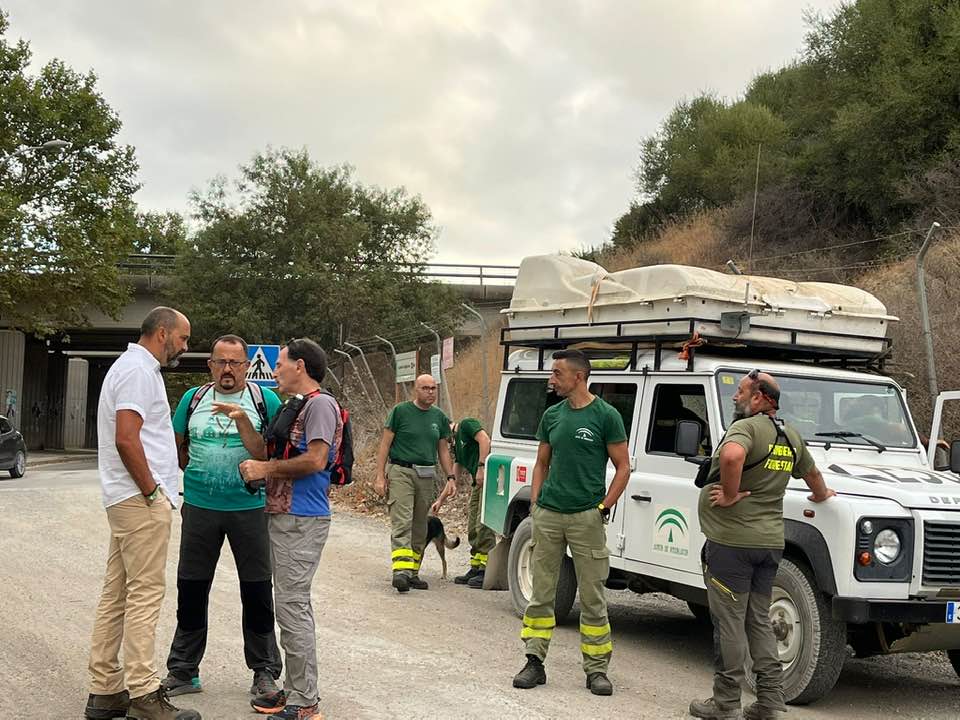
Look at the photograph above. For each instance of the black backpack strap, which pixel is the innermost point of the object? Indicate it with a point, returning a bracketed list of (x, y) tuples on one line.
[(256, 394)]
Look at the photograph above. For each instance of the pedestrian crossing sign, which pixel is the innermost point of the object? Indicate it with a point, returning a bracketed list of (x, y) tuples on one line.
[(263, 360)]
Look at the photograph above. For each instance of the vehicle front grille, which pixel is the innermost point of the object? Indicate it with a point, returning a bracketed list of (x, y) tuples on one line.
[(941, 553)]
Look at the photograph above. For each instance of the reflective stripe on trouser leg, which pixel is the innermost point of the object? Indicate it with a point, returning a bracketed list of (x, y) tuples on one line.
[(404, 559), (547, 552), (401, 497), (595, 642), (481, 538), (587, 538), (478, 560)]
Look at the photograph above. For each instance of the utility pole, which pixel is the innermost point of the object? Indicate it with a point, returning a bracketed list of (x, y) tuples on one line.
[(925, 315)]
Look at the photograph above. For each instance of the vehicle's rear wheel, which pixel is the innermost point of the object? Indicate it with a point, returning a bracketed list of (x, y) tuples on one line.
[(954, 657), (812, 645), (19, 465), (520, 574)]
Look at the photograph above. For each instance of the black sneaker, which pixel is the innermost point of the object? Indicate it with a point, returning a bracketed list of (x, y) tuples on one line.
[(599, 684), (401, 582), (263, 683), (175, 686), (464, 579), (270, 704), (533, 674), (417, 584), (476, 582), (107, 707)]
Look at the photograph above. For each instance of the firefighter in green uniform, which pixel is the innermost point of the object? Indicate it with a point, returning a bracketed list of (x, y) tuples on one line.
[(414, 437), (471, 448), (570, 505)]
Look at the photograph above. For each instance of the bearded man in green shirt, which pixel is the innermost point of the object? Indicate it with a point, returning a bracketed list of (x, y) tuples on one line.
[(414, 437), (570, 506), (741, 514)]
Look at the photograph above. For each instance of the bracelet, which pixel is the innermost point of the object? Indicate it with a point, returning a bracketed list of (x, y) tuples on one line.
[(451, 477), (154, 493)]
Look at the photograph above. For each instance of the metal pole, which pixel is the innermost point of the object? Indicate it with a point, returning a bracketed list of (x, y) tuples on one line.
[(483, 362), (753, 220), (359, 379), (393, 355), (373, 380), (443, 376), (925, 314), (333, 377)]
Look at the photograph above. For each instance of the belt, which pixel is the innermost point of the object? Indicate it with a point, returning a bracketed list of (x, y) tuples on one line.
[(402, 463)]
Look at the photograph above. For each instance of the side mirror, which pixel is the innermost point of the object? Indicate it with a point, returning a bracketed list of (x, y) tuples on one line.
[(688, 437), (955, 456)]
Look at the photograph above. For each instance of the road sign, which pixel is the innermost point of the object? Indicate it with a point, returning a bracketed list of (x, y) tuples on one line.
[(263, 361), (435, 368), (447, 353), (406, 366)]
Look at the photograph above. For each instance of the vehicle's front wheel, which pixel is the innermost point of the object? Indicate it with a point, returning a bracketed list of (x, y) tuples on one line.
[(520, 574), (812, 645), (19, 465), (954, 657)]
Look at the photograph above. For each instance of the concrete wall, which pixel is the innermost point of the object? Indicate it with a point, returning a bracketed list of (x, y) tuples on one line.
[(75, 407), (12, 344)]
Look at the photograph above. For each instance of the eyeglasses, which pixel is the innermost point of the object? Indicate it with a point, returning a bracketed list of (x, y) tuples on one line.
[(228, 363)]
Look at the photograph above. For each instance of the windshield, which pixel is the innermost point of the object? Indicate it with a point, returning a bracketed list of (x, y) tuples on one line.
[(824, 405)]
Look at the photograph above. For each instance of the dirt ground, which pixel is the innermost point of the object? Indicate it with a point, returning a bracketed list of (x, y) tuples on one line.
[(448, 652)]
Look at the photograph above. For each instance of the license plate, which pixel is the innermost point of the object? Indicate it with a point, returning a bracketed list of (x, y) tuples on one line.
[(953, 613)]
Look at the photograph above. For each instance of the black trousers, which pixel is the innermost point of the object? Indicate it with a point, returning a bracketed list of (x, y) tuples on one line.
[(201, 539)]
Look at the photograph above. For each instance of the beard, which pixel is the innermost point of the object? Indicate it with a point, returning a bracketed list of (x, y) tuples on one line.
[(739, 413), (173, 357)]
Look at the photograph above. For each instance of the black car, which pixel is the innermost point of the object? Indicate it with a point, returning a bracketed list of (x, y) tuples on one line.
[(13, 451)]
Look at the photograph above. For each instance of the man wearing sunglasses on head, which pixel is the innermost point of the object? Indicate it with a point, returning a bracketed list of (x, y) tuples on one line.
[(741, 514), (217, 426)]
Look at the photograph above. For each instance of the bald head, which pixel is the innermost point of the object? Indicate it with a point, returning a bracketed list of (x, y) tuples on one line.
[(165, 332), (425, 391), (758, 392)]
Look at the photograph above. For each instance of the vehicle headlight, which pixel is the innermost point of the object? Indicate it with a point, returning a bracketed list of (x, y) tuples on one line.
[(886, 546)]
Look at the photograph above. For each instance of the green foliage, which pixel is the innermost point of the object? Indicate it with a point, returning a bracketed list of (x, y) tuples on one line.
[(159, 233), (642, 220), (65, 214), (296, 249)]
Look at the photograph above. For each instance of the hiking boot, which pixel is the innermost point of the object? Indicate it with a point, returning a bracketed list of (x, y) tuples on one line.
[(173, 685), (599, 684), (270, 704), (263, 683), (401, 583), (300, 712), (155, 706), (756, 711), (476, 582), (465, 579), (533, 674), (709, 709), (107, 707), (417, 584)]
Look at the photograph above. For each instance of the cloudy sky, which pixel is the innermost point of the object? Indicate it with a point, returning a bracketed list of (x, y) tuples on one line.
[(517, 122)]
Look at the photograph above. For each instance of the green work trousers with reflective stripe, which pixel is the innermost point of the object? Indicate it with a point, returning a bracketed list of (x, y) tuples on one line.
[(585, 534), (409, 498), (481, 538)]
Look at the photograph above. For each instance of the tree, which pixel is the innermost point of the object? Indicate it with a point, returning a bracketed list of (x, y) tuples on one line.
[(296, 249), (159, 233), (65, 215)]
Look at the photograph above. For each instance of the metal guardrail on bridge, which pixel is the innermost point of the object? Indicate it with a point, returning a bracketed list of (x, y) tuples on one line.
[(453, 273)]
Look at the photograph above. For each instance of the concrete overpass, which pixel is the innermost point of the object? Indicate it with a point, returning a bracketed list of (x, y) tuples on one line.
[(49, 388)]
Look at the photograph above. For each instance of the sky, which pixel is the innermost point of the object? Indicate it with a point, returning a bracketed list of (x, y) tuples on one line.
[(518, 123)]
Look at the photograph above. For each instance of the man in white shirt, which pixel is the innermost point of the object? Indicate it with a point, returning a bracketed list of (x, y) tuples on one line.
[(139, 476)]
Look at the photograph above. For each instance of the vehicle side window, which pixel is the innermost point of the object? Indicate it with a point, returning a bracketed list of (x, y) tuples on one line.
[(672, 403), (623, 396), (5, 426), (525, 403)]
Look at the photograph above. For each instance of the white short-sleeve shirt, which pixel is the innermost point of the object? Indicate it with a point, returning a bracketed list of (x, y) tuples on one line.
[(134, 382)]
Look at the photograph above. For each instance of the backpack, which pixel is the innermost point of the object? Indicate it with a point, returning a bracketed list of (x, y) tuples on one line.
[(703, 472), (256, 392), (278, 437)]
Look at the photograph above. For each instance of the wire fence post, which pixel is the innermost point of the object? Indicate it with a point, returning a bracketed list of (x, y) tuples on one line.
[(443, 377), (373, 380), (485, 413), (925, 315), (393, 357), (359, 378)]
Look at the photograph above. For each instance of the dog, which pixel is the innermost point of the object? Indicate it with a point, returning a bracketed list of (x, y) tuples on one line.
[(437, 536)]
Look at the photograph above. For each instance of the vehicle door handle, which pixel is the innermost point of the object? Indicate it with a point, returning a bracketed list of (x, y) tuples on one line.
[(641, 498)]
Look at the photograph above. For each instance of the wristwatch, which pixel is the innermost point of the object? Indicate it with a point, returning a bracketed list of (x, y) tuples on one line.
[(604, 512), (153, 495), (451, 477)]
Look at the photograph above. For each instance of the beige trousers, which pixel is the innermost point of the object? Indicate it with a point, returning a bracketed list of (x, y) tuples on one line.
[(133, 589)]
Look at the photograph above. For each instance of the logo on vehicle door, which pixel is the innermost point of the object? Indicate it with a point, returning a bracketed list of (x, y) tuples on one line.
[(671, 532)]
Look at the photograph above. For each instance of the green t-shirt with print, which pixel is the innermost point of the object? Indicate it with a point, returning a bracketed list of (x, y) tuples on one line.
[(416, 432), (578, 439), (212, 479), (756, 521), (466, 447)]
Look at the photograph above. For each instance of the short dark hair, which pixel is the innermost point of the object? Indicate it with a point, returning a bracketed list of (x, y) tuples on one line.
[(576, 358), (233, 340), (313, 356), (159, 317)]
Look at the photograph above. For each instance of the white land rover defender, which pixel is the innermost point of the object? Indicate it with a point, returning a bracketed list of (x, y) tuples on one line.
[(876, 569)]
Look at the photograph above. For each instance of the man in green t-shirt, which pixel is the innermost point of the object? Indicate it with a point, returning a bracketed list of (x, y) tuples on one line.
[(570, 506), (414, 437), (214, 434), (470, 450), (741, 514)]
